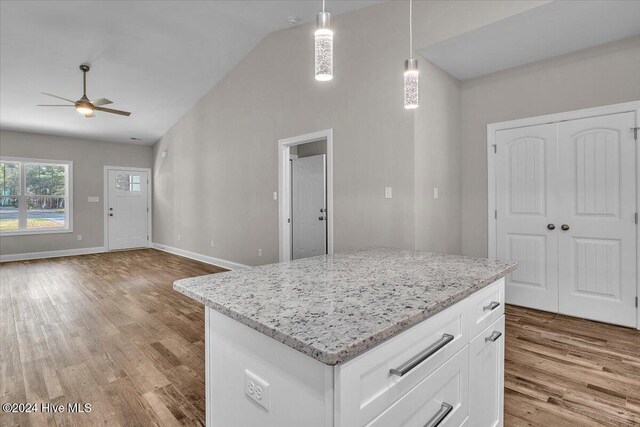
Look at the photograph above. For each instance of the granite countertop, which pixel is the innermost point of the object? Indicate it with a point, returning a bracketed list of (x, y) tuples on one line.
[(335, 307)]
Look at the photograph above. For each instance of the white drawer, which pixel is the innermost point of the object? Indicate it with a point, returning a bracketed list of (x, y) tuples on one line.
[(486, 306), (441, 399), (367, 386)]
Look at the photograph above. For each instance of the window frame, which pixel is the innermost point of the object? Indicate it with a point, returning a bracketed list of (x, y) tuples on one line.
[(22, 197)]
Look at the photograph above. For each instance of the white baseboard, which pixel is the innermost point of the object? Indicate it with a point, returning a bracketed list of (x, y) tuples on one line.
[(229, 265), (50, 254)]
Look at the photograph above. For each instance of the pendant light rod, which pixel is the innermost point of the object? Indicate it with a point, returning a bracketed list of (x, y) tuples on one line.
[(410, 28)]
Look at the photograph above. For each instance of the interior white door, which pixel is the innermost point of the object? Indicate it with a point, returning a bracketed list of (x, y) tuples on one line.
[(597, 201), (127, 209), (526, 189), (309, 231)]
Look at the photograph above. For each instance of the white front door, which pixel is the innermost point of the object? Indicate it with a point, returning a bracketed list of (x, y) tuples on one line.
[(309, 229), (127, 209), (526, 188), (597, 199)]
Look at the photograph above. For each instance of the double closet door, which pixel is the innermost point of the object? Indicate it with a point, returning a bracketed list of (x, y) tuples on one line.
[(566, 212)]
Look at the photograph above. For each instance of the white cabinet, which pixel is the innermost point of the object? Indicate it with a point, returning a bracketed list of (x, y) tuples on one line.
[(441, 399), (441, 372), (486, 376)]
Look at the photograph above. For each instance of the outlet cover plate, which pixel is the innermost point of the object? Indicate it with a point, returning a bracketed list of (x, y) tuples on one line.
[(256, 388)]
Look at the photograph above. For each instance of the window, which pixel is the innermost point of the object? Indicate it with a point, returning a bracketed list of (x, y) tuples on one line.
[(35, 196), (125, 182)]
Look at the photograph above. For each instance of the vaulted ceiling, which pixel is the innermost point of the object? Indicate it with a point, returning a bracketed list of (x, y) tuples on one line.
[(155, 59)]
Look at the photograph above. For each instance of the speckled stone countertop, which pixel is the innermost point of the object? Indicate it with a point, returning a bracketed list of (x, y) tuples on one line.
[(335, 307)]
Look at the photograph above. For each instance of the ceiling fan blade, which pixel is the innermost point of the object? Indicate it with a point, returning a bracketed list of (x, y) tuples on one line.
[(111, 110), (101, 101), (53, 105), (59, 97)]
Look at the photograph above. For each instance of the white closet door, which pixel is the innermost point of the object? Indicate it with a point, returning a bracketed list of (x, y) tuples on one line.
[(597, 201), (526, 189)]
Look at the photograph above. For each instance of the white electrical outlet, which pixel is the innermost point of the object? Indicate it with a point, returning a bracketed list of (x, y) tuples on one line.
[(275, 195), (387, 192), (256, 388), (212, 243), (435, 192), (178, 237), (79, 236), (259, 252)]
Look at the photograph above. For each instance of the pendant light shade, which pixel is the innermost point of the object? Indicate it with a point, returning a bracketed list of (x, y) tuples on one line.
[(324, 46), (411, 73), (411, 83)]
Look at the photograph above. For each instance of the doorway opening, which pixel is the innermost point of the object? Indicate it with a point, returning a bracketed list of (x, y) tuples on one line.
[(305, 188), (127, 208)]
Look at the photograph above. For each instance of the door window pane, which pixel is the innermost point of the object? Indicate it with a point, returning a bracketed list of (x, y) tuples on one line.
[(126, 182), (9, 179), (8, 213), (45, 180), (46, 212)]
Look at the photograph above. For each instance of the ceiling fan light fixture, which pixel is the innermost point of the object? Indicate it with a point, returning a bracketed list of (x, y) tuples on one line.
[(84, 108)]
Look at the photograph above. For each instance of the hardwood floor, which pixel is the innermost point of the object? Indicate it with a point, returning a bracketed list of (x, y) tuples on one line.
[(109, 330), (105, 329), (564, 371)]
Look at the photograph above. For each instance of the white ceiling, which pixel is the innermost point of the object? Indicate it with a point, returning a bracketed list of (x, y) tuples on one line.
[(543, 32), (155, 59)]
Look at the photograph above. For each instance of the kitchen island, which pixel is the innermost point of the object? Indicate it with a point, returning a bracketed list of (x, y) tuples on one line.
[(379, 337)]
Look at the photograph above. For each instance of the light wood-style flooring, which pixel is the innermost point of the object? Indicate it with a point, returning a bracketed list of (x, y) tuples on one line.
[(565, 371), (108, 329)]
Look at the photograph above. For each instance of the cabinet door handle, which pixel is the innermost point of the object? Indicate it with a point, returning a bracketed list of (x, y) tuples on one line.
[(491, 306), (422, 356), (440, 415), (493, 337)]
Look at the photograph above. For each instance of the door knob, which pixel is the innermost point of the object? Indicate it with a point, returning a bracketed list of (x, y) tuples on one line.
[(565, 227), (551, 226)]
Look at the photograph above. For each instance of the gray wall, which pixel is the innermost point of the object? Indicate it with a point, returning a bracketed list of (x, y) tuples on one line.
[(602, 75), (310, 149), (437, 163), (89, 159), (217, 181), (214, 189)]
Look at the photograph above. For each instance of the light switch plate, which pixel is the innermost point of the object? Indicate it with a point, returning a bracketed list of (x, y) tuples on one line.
[(256, 388), (387, 192), (435, 192)]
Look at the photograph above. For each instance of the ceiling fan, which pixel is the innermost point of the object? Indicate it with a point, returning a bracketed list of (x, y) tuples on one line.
[(85, 106)]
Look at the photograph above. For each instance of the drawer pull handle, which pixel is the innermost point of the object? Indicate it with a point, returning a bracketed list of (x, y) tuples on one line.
[(491, 306), (422, 356), (494, 336), (440, 415)]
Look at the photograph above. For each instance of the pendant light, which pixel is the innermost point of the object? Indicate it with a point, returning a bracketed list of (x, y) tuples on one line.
[(411, 70), (324, 46)]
